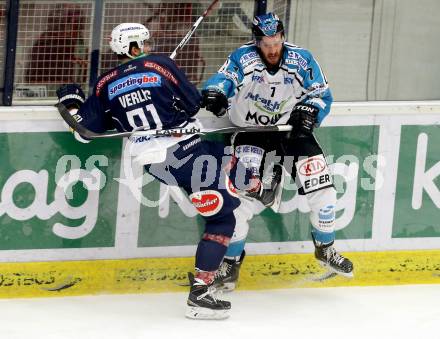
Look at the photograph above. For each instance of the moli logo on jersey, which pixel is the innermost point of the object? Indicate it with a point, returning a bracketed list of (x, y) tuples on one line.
[(207, 202), (132, 82), (262, 119), (312, 166)]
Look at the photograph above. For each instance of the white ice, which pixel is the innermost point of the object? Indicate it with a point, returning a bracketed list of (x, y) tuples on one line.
[(346, 312)]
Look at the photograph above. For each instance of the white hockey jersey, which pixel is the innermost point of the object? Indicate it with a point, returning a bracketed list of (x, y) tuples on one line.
[(258, 98)]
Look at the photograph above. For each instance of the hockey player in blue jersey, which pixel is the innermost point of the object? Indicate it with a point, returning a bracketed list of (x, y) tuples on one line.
[(151, 91), (269, 82)]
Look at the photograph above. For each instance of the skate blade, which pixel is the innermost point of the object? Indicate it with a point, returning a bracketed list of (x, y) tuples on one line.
[(322, 277), (185, 283), (202, 313), (333, 272), (225, 287)]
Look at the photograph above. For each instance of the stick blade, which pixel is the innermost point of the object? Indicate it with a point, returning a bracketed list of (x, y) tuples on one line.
[(73, 124)]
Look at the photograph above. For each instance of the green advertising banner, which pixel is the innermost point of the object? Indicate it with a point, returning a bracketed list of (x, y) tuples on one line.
[(57, 193), (348, 149), (417, 212), (78, 201)]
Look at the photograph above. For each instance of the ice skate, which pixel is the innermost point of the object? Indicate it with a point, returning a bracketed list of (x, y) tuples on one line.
[(226, 278), (202, 302), (333, 261), (268, 187)]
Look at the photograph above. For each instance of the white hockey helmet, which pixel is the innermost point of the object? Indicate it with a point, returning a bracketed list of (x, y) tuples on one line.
[(123, 34)]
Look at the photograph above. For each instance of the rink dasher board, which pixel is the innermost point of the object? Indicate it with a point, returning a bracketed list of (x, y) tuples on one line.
[(393, 129), (360, 225), (156, 275)]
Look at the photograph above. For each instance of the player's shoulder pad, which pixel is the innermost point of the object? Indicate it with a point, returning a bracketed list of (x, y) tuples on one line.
[(160, 59), (103, 79), (161, 65), (295, 56), (246, 54)]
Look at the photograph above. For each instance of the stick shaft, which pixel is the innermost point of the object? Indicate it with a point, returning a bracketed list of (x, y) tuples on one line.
[(86, 133), (192, 30)]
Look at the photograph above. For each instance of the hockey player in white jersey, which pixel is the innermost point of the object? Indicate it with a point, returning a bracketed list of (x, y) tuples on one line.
[(268, 82)]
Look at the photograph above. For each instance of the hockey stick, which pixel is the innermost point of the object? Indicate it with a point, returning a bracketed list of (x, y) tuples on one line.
[(193, 28), (88, 134)]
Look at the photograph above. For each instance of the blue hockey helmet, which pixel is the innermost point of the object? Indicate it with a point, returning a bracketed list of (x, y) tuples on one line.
[(266, 25)]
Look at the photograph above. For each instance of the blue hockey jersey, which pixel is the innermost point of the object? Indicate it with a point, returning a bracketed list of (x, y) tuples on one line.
[(148, 91)]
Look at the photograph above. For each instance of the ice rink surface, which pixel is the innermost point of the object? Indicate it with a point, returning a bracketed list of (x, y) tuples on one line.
[(343, 312)]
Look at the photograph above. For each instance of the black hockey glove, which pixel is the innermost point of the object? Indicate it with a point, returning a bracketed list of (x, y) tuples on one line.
[(71, 95), (215, 102), (303, 119)]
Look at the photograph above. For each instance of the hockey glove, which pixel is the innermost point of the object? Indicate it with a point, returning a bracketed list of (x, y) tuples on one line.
[(71, 96), (303, 119), (215, 102)]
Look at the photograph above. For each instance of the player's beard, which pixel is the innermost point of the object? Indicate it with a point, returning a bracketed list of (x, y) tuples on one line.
[(272, 59)]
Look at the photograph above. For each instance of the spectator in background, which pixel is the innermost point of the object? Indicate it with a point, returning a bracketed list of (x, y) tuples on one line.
[(60, 54)]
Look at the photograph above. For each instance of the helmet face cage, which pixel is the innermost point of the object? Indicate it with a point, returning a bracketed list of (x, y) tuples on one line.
[(266, 25), (124, 34)]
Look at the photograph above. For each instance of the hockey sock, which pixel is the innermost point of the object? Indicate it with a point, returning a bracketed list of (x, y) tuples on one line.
[(234, 250), (206, 277), (210, 254), (322, 238)]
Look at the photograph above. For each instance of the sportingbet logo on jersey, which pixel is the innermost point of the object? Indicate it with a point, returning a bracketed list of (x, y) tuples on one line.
[(134, 81), (313, 173)]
